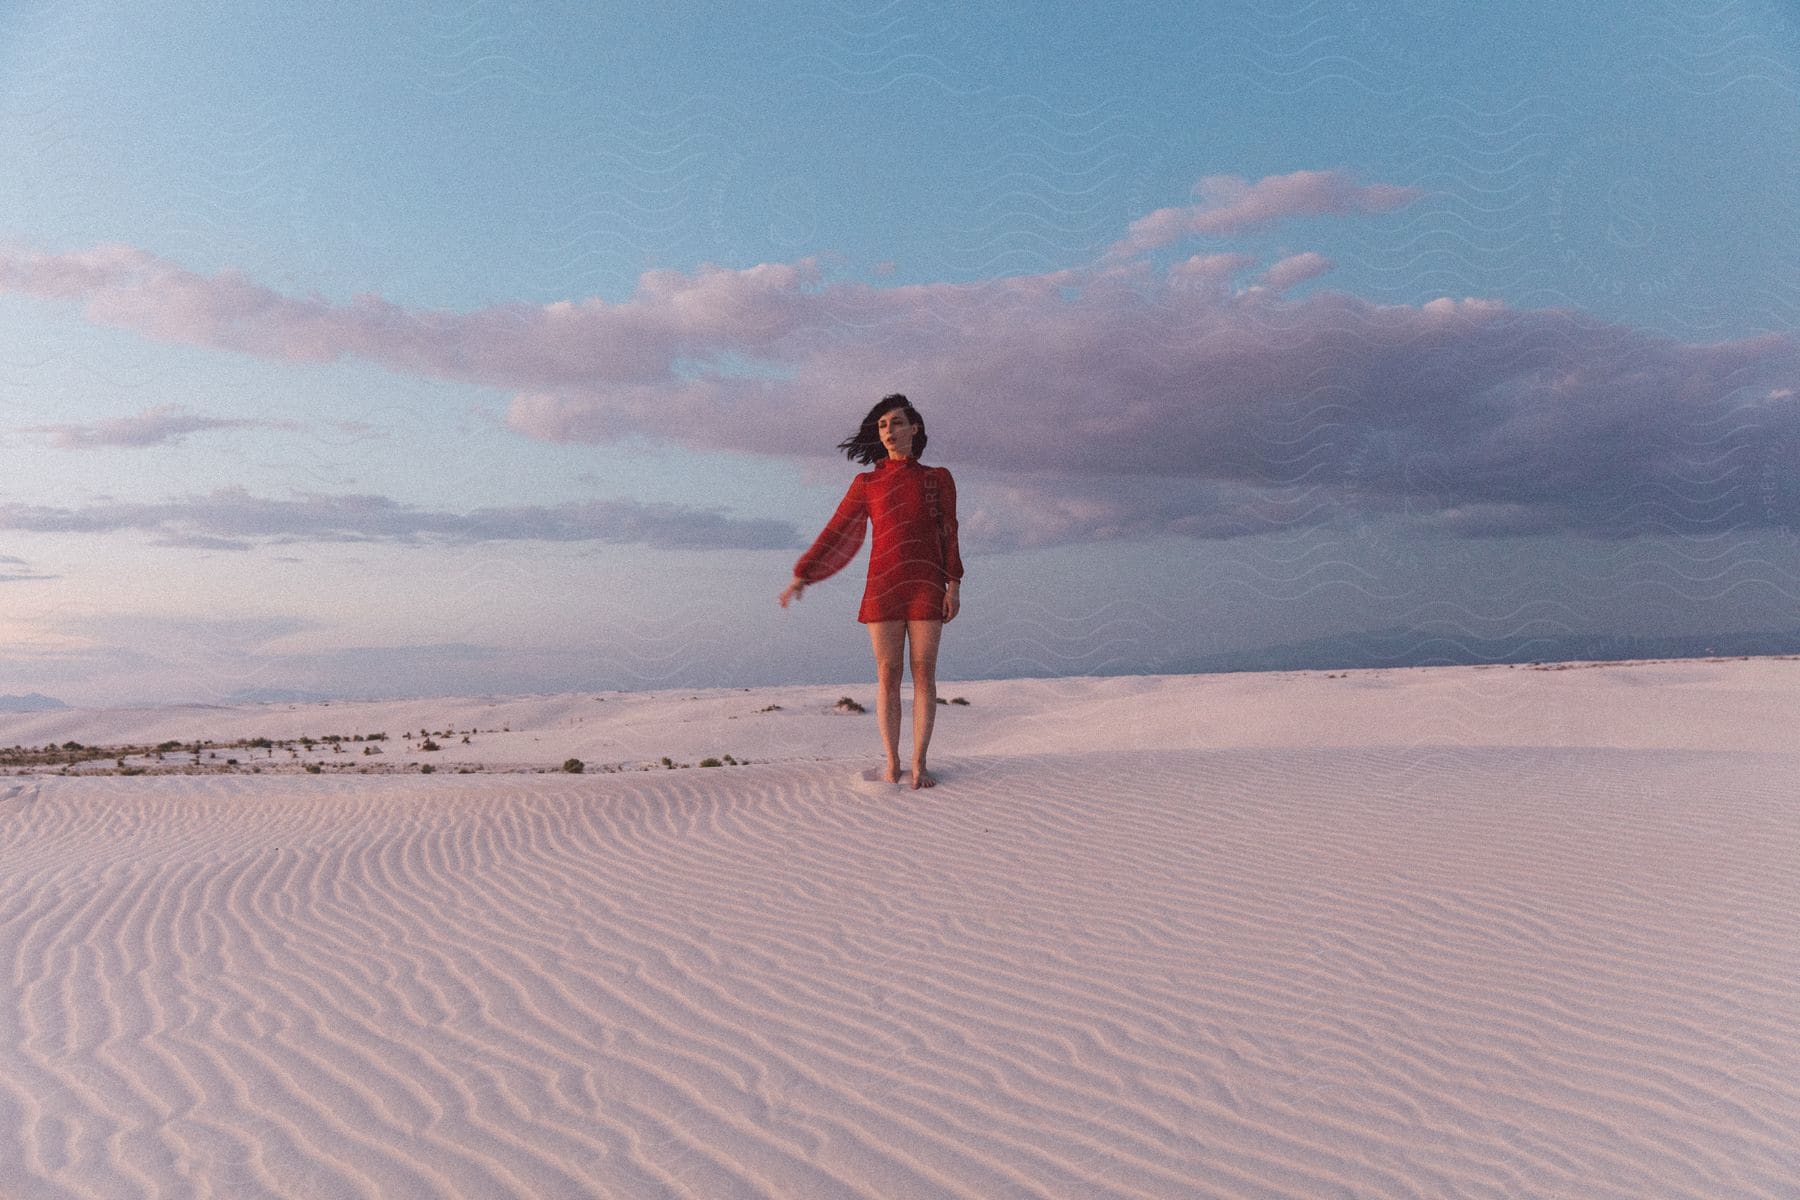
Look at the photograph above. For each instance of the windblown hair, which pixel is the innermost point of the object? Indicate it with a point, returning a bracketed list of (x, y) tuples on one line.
[(866, 448)]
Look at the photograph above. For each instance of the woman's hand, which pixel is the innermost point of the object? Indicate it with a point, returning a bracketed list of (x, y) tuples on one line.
[(792, 591), (952, 601)]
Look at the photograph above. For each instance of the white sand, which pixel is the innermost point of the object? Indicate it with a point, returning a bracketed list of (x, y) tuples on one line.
[(1470, 932)]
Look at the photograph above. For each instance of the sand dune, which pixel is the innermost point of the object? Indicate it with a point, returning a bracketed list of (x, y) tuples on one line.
[(1172, 937)]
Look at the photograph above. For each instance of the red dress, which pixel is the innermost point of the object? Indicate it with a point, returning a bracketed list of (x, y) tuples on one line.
[(913, 509)]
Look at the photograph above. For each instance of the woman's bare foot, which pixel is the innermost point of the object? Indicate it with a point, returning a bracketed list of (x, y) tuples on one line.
[(923, 778), (892, 775)]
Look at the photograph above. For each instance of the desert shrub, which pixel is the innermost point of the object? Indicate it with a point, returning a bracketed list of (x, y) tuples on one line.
[(313, 768), (711, 762), (428, 744), (426, 769), (261, 743), (667, 761), (573, 766), (846, 705), (165, 746)]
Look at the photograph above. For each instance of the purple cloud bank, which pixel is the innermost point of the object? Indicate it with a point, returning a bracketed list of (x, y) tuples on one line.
[(233, 519), (1116, 399)]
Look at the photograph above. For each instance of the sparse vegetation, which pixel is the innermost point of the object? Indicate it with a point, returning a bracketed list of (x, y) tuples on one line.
[(305, 753), (846, 705)]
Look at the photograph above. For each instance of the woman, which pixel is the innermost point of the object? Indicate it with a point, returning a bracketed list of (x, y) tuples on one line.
[(915, 568)]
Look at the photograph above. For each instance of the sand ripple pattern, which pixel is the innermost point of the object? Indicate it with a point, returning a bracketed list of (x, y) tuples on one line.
[(1248, 973)]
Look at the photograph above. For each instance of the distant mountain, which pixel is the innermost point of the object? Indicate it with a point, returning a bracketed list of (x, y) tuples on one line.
[(274, 696), (30, 702), (1401, 647)]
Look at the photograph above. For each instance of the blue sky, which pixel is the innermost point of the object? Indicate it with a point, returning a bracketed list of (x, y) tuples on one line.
[(451, 347)]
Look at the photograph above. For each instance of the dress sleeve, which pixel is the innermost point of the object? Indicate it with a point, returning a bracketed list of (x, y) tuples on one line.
[(953, 568), (842, 538)]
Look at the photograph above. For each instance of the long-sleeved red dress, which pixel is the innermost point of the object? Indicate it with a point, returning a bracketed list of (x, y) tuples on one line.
[(913, 509)]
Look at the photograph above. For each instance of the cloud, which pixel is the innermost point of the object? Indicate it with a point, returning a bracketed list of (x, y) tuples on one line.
[(152, 427), (1296, 268), (17, 570), (233, 519), (182, 633), (672, 319), (1118, 399), (1231, 205), (1210, 271)]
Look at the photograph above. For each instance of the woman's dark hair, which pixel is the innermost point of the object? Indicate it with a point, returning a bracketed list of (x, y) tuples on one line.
[(866, 448)]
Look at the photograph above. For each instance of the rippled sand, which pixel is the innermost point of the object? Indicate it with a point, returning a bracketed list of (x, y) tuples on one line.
[(1133, 946)]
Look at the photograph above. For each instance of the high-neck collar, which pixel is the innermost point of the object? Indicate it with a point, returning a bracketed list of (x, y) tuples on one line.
[(896, 462)]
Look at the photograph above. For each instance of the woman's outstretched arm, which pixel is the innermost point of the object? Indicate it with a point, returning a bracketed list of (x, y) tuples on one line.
[(836, 546)]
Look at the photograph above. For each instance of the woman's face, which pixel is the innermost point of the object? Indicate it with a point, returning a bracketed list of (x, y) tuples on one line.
[(896, 429)]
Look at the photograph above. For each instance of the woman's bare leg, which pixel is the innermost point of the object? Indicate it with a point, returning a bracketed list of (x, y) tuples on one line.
[(889, 640), (923, 635)]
